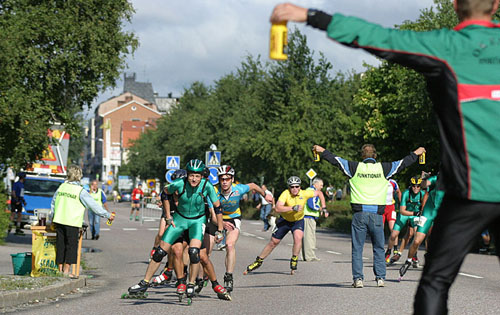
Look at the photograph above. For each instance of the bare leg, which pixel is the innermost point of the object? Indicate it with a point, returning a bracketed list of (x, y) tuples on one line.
[(297, 242), (153, 265), (194, 267), (231, 239), (270, 247)]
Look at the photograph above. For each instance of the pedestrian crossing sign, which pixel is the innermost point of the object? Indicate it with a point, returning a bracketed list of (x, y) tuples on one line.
[(212, 159), (173, 162)]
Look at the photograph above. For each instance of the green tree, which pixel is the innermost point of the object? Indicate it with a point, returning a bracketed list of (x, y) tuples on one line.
[(56, 57)]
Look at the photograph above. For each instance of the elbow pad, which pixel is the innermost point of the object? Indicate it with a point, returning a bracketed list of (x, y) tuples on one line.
[(218, 210)]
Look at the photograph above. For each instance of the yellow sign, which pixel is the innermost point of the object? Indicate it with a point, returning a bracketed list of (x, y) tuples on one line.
[(151, 183), (311, 173)]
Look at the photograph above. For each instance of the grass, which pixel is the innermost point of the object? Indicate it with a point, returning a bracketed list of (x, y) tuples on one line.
[(12, 283)]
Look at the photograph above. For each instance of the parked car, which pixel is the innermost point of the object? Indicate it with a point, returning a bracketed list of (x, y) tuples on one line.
[(126, 195), (38, 193)]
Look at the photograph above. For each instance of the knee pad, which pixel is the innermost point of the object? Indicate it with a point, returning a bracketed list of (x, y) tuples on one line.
[(159, 254), (194, 255)]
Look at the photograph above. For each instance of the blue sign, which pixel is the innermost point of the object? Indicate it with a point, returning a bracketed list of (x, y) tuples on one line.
[(168, 175), (212, 158), (173, 162), (214, 179)]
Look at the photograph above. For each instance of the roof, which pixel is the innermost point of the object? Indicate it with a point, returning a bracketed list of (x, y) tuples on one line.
[(141, 89), (127, 104)]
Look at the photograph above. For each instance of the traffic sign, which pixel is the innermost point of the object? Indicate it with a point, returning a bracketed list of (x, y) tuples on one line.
[(311, 173), (168, 175), (214, 179), (173, 162), (212, 158), (151, 183)]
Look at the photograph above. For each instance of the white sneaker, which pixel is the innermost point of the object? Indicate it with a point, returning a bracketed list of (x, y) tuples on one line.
[(380, 282), (358, 283)]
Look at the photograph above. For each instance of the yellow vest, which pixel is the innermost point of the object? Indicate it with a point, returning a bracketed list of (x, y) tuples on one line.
[(97, 196), (369, 185), (68, 209)]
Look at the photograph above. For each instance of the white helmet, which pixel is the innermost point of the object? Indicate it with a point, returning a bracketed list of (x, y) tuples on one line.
[(225, 170), (294, 180)]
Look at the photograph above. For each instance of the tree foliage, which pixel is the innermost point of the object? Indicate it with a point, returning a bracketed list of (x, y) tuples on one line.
[(56, 57)]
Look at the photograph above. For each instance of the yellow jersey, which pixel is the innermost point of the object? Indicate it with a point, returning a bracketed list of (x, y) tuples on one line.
[(289, 201)]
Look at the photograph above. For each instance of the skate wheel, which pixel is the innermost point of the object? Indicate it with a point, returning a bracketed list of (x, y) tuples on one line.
[(189, 301), (399, 279), (124, 296), (245, 272)]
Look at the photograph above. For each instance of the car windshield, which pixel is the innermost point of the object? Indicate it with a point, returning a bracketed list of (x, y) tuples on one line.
[(126, 192), (40, 187)]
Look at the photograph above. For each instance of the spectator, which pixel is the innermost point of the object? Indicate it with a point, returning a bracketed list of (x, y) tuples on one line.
[(312, 210), (94, 220), (265, 208), (330, 192), (17, 201), (338, 194)]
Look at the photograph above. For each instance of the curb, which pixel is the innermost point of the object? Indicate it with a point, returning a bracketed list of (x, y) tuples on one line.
[(51, 291)]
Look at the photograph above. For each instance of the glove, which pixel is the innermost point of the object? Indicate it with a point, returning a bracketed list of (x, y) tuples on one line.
[(295, 208), (169, 221)]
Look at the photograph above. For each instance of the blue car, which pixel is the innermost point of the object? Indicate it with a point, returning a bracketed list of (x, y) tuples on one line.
[(126, 195), (38, 193)]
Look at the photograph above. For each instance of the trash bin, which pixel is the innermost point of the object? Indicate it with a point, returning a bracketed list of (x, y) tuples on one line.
[(21, 263)]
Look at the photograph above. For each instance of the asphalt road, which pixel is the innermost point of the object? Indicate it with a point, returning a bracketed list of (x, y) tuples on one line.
[(322, 287)]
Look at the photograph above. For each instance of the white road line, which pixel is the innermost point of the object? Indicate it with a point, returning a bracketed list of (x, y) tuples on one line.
[(255, 223), (250, 234), (153, 229), (105, 229), (245, 234), (260, 238), (332, 252), (365, 258), (289, 244), (471, 276), (129, 229), (149, 220)]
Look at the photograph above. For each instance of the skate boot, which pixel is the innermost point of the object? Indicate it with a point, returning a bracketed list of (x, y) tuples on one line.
[(164, 278), (137, 218), (404, 269), (190, 293), (205, 281), (181, 288), (137, 291), (395, 258), (198, 285), (387, 256), (228, 282), (256, 264), (415, 262), (293, 264), (222, 293)]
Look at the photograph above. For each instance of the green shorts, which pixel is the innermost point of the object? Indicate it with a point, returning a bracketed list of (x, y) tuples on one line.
[(402, 220), (196, 228), (426, 220)]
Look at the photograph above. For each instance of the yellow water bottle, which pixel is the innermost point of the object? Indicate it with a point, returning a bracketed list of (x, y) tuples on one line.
[(279, 41), (109, 222), (316, 155), (421, 158)]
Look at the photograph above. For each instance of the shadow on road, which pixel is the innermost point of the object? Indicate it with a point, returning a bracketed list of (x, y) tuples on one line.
[(17, 239)]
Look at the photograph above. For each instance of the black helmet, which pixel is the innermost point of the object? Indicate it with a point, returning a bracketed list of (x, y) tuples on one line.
[(206, 172), (21, 175), (179, 174)]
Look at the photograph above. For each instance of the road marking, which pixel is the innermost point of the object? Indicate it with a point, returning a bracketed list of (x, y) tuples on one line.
[(250, 234), (468, 275), (255, 223), (149, 220), (332, 252), (129, 229), (260, 238), (289, 244), (365, 258), (153, 229), (105, 229)]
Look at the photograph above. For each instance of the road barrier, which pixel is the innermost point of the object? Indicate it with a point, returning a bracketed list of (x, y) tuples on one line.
[(150, 211)]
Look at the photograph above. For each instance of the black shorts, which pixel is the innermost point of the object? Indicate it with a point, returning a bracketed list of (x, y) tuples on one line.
[(183, 238), (211, 228), (16, 208)]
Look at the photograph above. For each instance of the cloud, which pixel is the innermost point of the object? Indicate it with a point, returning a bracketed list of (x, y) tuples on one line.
[(201, 40)]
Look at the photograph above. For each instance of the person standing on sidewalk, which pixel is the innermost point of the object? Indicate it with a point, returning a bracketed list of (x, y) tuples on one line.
[(368, 180), (312, 210), (17, 201), (94, 220), (68, 204), (265, 208)]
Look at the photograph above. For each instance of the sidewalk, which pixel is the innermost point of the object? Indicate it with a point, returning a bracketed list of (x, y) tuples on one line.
[(20, 244)]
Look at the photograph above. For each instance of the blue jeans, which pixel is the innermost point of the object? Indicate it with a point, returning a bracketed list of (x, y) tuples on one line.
[(371, 223), (94, 223), (264, 212)]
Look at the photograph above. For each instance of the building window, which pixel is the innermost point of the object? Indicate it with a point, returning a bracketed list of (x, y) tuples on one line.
[(134, 108)]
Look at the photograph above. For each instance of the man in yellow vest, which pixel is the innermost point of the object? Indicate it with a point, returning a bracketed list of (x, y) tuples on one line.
[(312, 210), (68, 204), (369, 184), (94, 220)]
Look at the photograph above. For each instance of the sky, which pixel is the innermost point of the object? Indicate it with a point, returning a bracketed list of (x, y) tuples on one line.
[(203, 40)]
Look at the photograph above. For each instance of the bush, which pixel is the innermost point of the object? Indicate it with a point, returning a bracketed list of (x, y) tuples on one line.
[(4, 214)]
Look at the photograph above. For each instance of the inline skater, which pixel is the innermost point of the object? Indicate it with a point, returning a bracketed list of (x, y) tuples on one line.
[(137, 195), (411, 206), (190, 216), (230, 195), (169, 205), (390, 213), (290, 206), (432, 201)]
